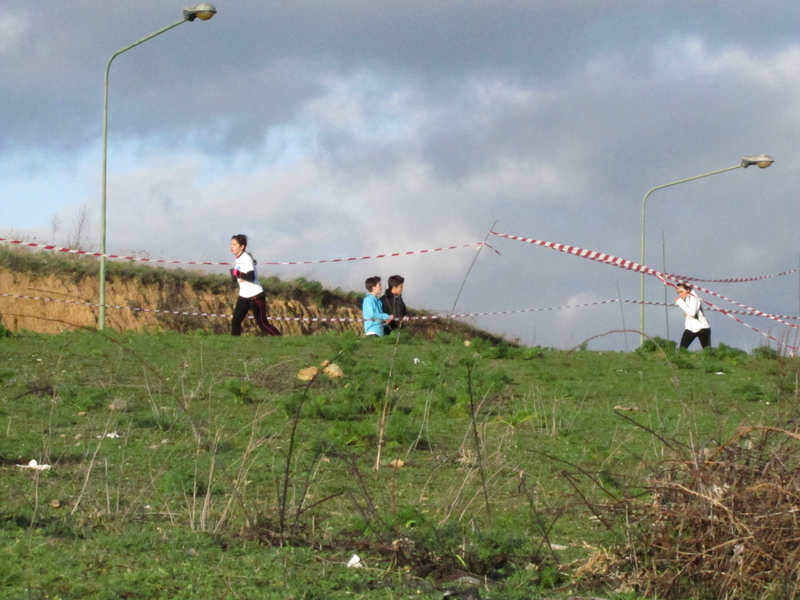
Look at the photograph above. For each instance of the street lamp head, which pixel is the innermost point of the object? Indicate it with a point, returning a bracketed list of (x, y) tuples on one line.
[(202, 11), (762, 161)]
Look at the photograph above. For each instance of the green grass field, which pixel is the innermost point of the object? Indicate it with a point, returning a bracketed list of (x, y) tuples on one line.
[(200, 466)]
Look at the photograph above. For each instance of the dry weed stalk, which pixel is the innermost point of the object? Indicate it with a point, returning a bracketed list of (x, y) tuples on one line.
[(386, 401), (88, 469)]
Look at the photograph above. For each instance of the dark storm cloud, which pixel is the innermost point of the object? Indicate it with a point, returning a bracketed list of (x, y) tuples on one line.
[(255, 63)]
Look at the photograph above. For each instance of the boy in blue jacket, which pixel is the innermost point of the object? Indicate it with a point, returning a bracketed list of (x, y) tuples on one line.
[(374, 317)]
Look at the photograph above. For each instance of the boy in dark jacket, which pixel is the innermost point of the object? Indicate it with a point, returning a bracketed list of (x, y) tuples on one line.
[(393, 303)]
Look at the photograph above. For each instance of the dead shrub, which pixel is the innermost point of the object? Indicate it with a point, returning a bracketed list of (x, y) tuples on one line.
[(719, 523)]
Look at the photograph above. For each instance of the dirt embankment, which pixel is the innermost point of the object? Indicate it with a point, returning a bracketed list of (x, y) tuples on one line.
[(136, 305)]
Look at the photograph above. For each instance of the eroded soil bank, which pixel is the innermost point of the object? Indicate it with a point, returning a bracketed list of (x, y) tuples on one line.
[(67, 302)]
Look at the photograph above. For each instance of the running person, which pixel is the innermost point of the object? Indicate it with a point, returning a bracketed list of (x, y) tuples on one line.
[(251, 294), (697, 325)]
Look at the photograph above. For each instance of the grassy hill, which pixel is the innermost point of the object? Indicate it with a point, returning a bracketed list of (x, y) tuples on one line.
[(191, 465)]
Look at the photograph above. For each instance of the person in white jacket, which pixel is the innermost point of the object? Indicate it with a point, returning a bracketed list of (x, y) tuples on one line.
[(251, 294), (696, 326)]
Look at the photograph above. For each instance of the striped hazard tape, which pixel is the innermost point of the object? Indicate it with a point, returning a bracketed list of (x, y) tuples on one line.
[(415, 318), (305, 319), (190, 262), (630, 265), (636, 267), (619, 262), (737, 279)]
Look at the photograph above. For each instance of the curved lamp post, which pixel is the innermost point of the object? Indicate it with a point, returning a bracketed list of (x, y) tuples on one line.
[(203, 12), (761, 160)]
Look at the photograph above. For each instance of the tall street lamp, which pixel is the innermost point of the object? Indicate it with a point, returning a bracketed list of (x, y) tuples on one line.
[(203, 12), (762, 161)]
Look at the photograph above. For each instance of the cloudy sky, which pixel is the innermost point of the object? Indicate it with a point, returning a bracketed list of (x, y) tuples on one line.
[(334, 129)]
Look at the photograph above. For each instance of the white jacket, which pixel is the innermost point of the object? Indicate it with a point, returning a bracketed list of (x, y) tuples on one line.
[(245, 263), (695, 318)]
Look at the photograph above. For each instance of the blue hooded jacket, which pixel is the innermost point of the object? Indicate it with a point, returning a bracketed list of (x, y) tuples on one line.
[(373, 315)]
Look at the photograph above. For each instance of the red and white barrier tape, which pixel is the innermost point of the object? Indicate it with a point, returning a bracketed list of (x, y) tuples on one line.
[(737, 279), (309, 319), (418, 318), (583, 253), (561, 247), (632, 266), (764, 333), (182, 262), (748, 313), (96, 305)]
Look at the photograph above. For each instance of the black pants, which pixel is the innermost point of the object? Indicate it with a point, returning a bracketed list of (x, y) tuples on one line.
[(704, 335), (258, 304)]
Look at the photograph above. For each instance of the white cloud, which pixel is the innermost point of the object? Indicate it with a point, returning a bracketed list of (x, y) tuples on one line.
[(690, 58), (13, 28)]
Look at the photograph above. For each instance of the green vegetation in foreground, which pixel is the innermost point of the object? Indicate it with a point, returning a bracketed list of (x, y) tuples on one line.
[(198, 466)]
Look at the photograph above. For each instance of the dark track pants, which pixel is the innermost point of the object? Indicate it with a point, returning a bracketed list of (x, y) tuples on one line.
[(704, 335), (257, 304)]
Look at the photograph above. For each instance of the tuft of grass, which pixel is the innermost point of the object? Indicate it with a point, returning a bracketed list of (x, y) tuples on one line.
[(765, 352), (657, 344), (241, 390), (86, 398)]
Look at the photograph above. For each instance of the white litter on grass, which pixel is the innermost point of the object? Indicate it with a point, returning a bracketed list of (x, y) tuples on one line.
[(720, 373), (355, 561), (35, 465), (113, 434)]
